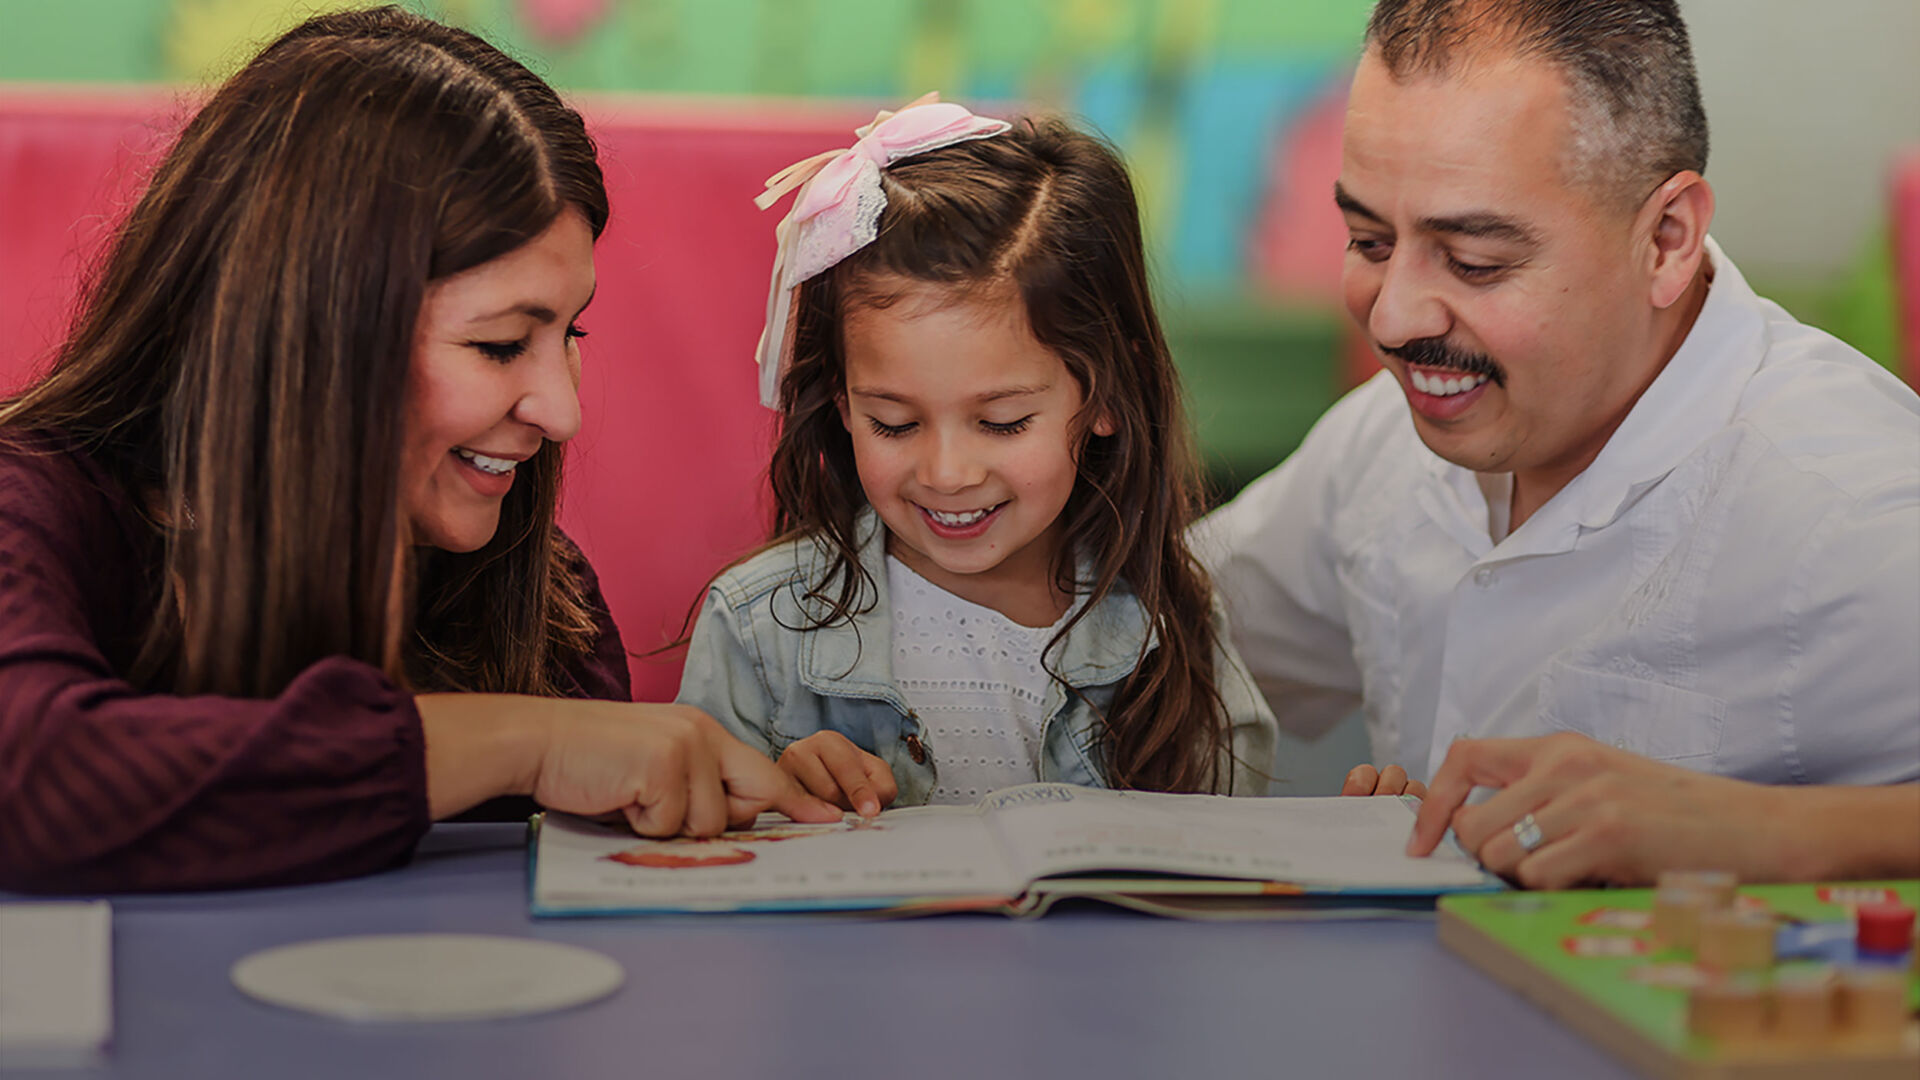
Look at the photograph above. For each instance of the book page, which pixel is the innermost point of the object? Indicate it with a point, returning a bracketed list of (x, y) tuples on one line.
[(923, 852), (1323, 843)]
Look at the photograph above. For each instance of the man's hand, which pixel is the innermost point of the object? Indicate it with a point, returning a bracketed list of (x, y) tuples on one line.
[(832, 768), (1603, 815), (1392, 780)]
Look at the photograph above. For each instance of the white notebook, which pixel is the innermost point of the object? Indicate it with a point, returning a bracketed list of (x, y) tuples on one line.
[(56, 984)]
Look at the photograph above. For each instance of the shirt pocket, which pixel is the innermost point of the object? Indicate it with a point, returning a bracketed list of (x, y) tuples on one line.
[(1649, 718)]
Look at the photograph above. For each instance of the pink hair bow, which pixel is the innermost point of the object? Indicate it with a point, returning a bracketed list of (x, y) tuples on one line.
[(838, 209)]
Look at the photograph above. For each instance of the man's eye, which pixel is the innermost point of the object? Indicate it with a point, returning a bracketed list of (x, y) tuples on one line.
[(1370, 250), (889, 431), (1472, 272), (501, 351)]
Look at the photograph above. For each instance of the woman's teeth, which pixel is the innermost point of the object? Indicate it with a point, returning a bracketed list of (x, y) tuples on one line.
[(494, 465), (959, 521), (1437, 386)]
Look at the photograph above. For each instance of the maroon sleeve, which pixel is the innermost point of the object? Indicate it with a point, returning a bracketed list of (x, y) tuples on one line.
[(106, 788), (603, 672)]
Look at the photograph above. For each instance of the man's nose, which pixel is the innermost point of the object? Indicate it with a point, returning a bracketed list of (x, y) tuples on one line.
[(1408, 307)]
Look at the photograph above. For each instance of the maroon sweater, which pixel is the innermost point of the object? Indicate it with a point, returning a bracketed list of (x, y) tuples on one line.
[(104, 787)]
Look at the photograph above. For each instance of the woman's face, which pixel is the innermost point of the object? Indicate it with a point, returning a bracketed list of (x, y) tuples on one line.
[(495, 373)]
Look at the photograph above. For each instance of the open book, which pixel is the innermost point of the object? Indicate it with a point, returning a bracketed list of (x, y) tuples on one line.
[(1019, 850)]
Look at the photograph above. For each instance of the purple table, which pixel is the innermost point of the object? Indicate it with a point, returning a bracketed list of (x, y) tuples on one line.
[(1079, 993)]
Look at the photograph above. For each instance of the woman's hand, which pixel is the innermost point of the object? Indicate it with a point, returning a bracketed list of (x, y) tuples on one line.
[(831, 767), (669, 769), (1367, 780)]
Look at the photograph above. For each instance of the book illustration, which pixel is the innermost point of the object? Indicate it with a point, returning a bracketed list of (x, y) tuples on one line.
[(729, 848)]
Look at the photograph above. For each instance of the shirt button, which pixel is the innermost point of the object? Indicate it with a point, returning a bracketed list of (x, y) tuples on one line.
[(916, 749), (1483, 577)]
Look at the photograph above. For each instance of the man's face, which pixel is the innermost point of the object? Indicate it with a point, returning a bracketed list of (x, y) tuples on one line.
[(1512, 307)]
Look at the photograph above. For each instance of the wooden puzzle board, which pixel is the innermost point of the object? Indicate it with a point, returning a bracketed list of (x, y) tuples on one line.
[(1590, 958)]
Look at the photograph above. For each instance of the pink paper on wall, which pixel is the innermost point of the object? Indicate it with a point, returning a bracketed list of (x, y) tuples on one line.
[(562, 22)]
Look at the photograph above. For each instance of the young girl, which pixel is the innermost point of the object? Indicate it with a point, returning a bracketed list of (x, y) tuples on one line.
[(979, 574)]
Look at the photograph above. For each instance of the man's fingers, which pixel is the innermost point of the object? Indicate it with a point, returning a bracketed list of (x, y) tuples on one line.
[(1362, 780), (1470, 763)]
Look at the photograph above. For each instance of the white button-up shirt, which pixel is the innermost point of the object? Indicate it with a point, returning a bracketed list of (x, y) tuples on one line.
[(1733, 585)]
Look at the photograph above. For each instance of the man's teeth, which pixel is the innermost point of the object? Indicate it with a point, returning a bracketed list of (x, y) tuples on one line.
[(494, 465), (1438, 386), (959, 521)]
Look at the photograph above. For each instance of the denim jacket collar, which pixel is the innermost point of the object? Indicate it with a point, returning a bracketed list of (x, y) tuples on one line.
[(854, 658)]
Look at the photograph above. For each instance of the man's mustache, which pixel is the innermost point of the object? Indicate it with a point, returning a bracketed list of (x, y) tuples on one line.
[(1437, 353)]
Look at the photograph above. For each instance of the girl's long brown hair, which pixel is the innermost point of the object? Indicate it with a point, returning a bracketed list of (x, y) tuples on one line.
[(1047, 213), (239, 363)]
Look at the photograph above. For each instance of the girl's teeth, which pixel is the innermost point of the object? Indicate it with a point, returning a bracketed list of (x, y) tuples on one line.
[(496, 466), (957, 521)]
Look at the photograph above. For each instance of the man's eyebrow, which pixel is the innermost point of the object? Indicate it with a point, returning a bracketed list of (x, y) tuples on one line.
[(1482, 226), (1352, 205)]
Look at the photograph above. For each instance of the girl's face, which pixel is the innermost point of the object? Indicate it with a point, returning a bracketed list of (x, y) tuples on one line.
[(495, 374), (962, 427)]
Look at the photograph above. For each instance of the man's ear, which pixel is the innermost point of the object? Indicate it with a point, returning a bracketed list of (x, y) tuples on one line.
[(1675, 220)]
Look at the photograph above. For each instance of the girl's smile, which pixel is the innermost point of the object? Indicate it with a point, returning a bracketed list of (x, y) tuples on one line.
[(965, 436)]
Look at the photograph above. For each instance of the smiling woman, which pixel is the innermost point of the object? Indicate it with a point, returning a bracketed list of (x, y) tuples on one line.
[(279, 576)]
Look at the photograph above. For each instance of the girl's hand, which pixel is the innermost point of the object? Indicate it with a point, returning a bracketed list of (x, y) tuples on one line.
[(828, 765), (1366, 780)]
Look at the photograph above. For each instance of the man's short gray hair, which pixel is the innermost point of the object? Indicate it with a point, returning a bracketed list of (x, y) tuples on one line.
[(1631, 84)]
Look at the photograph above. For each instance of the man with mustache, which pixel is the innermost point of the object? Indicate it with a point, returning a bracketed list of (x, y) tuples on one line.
[(1602, 489)]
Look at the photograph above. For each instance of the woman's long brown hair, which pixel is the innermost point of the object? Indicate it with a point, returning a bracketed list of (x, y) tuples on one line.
[(239, 363), (1046, 213)]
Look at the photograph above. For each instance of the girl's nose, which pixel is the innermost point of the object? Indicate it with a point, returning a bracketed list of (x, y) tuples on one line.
[(948, 466)]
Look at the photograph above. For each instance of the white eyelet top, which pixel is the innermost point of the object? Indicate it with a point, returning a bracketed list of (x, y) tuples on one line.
[(974, 678)]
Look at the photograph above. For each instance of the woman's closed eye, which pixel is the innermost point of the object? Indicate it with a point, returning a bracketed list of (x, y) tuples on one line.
[(505, 351)]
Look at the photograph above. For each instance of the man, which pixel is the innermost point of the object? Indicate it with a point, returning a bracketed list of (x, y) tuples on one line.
[(1601, 487)]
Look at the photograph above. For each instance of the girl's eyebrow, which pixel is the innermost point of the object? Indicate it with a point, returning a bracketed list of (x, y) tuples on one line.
[(991, 395)]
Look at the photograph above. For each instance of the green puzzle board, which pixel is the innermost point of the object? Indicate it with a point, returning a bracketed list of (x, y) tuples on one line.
[(1534, 925)]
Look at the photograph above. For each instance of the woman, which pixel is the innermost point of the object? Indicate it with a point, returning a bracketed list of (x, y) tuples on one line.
[(279, 576)]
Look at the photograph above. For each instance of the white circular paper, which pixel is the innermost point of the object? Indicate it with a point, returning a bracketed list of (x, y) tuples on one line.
[(427, 977)]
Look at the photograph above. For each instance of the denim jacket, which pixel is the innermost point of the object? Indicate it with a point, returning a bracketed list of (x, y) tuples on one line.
[(772, 684)]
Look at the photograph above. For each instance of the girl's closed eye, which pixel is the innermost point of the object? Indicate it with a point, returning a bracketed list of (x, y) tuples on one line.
[(889, 431), (1011, 427)]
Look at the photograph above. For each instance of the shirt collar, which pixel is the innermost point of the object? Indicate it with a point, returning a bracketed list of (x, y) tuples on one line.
[(1693, 397)]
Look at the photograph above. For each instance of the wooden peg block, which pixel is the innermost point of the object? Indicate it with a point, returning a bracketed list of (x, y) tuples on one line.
[(1733, 1007), (1806, 1005), (1731, 940), (1717, 884), (1873, 1002), (1676, 915)]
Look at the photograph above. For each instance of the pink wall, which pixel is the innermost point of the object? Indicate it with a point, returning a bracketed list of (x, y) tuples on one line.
[(665, 482)]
